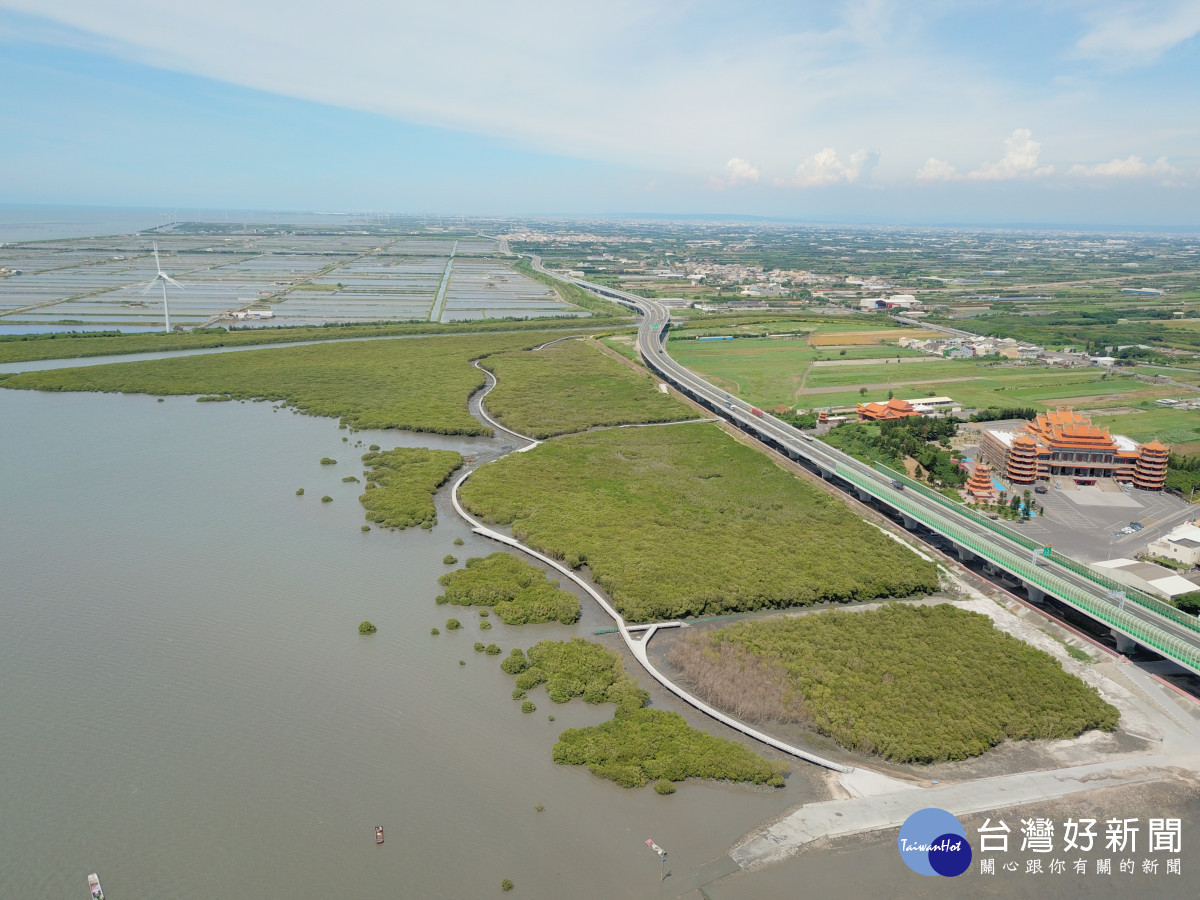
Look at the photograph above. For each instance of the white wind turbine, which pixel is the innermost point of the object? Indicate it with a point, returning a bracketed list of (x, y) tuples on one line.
[(162, 277)]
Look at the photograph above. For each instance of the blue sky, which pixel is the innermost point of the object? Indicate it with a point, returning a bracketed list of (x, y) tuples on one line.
[(873, 111)]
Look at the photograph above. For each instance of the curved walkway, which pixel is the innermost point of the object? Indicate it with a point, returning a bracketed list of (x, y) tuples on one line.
[(639, 647)]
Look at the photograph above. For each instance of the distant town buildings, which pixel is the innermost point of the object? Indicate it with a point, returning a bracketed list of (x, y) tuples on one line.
[(896, 301), (250, 314), (1063, 442)]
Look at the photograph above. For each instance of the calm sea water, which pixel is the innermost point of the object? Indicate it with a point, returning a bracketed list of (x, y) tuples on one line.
[(23, 222), (188, 709)]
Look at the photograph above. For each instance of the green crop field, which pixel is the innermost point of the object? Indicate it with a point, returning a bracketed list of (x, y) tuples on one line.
[(572, 386), (980, 385), (1178, 427), (767, 372), (684, 520), (421, 384), (911, 684)]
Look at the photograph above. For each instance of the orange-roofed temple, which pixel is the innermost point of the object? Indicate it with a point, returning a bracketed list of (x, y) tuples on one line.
[(883, 412), (1065, 443)]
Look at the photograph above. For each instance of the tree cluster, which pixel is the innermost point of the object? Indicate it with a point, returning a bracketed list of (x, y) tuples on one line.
[(400, 484), (684, 520), (576, 668), (918, 684), (519, 593), (644, 745)]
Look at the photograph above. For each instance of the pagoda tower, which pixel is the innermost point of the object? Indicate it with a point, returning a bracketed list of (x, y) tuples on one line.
[(1022, 461), (1150, 470), (980, 487)]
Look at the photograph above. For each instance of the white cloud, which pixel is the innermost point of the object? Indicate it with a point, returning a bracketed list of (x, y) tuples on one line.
[(824, 168), (1133, 167), (936, 170), (1020, 160), (737, 171), (1135, 34)]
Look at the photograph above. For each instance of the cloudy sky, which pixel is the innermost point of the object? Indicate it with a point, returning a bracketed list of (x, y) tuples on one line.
[(1058, 111)]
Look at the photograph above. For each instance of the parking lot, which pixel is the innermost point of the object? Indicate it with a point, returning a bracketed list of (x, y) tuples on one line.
[(1087, 522)]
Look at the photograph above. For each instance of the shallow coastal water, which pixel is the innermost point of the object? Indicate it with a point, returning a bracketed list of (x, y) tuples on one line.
[(188, 706)]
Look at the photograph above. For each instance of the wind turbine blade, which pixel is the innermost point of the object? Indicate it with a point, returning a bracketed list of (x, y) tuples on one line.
[(157, 264), (167, 277), (149, 285)]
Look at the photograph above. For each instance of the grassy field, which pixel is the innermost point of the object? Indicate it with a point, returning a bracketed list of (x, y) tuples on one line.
[(978, 385), (29, 347), (768, 372), (401, 484), (1178, 427), (833, 336), (911, 684), (572, 386), (780, 372), (420, 384), (683, 520), (625, 344)]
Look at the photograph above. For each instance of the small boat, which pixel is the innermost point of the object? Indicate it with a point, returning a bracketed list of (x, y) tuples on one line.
[(94, 887), (379, 834)]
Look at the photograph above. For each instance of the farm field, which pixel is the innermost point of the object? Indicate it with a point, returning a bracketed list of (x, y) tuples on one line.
[(683, 520), (768, 372), (1178, 427), (836, 336), (976, 385)]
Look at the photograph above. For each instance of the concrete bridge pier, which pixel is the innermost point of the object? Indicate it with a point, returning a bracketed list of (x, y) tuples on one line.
[(1125, 644), (989, 567), (964, 555), (863, 496), (909, 522), (1035, 594)]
